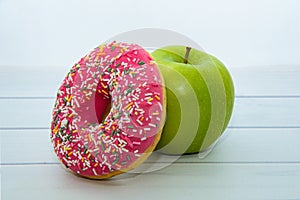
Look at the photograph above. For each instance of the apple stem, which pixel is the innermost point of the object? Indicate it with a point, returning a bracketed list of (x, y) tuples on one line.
[(187, 53)]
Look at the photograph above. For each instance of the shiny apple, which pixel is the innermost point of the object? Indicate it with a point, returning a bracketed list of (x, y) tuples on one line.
[(200, 99)]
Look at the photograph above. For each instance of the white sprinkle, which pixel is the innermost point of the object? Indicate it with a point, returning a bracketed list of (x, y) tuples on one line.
[(147, 129), (153, 125), (157, 118), (67, 161), (160, 106), (137, 143), (94, 171), (143, 138), (135, 96), (148, 94), (136, 105), (138, 121)]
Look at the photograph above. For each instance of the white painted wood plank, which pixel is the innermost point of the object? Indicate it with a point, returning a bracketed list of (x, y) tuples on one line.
[(41, 82), (178, 181), (249, 81), (237, 145), (248, 112), (267, 80)]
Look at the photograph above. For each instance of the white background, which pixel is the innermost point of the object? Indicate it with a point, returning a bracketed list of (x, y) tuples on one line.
[(55, 33)]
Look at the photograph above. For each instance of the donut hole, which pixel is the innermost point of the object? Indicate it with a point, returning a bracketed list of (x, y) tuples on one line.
[(102, 107)]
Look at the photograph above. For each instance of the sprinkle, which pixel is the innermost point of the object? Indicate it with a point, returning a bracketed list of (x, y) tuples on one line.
[(130, 127), (105, 92), (149, 99), (128, 106), (160, 106), (102, 84), (67, 148), (136, 143), (94, 171), (141, 63), (157, 97), (138, 121), (153, 125), (155, 113), (117, 165)]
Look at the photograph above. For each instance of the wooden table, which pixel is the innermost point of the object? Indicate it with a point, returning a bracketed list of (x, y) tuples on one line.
[(257, 158)]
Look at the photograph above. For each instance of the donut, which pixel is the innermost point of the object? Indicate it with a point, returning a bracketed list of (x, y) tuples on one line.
[(109, 111)]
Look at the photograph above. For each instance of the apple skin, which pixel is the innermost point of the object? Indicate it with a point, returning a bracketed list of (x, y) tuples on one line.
[(200, 99)]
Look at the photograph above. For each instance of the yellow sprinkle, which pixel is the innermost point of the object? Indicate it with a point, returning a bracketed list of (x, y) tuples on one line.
[(69, 154), (128, 105), (157, 97), (82, 159), (71, 115), (151, 62), (89, 137), (136, 113), (67, 148), (104, 92), (101, 48), (118, 165), (55, 130), (70, 97), (102, 84), (75, 131), (89, 155), (86, 58), (95, 165), (150, 99)]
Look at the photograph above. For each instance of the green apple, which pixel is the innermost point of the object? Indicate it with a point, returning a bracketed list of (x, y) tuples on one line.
[(200, 98)]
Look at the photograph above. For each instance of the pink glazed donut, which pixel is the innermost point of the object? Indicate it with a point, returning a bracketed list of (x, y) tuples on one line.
[(109, 111)]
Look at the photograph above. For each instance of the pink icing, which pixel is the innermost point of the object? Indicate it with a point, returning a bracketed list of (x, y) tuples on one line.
[(87, 141)]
